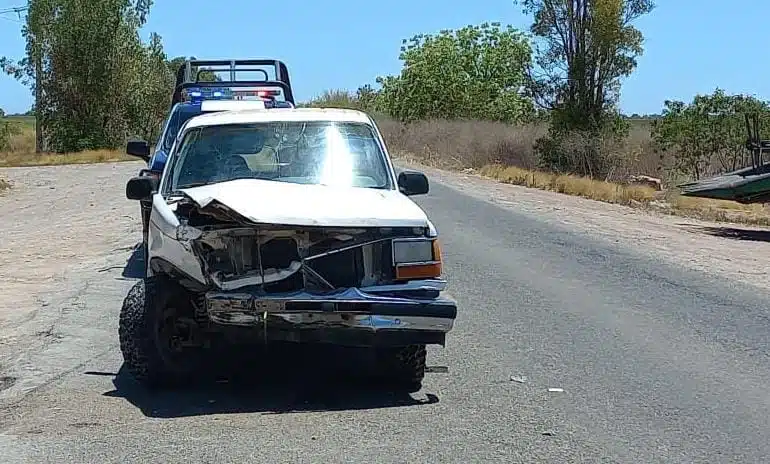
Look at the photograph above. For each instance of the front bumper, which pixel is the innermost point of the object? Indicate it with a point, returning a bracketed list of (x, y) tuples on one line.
[(388, 315)]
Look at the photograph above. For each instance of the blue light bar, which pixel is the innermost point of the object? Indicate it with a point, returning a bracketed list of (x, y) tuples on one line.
[(196, 95)]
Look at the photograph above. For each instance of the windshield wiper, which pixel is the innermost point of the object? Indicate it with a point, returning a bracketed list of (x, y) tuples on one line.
[(179, 193), (193, 185)]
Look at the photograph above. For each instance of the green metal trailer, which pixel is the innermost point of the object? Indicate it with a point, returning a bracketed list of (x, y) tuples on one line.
[(746, 185)]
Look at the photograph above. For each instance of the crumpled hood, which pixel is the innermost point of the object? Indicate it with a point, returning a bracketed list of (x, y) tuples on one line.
[(271, 202)]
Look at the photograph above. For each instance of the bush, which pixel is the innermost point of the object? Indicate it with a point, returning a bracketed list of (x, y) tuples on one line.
[(461, 144), (580, 152)]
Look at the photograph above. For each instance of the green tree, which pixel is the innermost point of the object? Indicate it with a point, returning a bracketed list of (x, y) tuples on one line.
[(583, 50), (709, 134), (90, 54), (475, 72), (368, 98), (152, 85)]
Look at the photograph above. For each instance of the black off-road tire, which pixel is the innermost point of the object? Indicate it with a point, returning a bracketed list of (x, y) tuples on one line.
[(140, 315), (403, 368)]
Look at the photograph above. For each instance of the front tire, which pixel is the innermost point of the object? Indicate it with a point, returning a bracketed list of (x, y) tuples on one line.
[(402, 368), (151, 333)]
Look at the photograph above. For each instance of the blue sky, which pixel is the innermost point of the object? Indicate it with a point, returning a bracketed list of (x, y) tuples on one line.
[(691, 46)]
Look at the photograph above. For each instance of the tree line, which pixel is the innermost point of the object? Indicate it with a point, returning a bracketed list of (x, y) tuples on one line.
[(98, 82)]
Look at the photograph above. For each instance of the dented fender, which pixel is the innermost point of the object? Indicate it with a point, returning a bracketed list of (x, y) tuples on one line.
[(164, 242)]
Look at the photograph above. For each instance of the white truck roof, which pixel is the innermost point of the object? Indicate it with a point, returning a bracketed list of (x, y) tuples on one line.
[(248, 116), (231, 105)]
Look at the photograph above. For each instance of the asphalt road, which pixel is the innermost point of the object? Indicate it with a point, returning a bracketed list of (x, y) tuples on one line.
[(656, 365)]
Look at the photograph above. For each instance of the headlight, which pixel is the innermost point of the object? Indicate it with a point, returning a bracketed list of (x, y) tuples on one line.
[(416, 258), (412, 251)]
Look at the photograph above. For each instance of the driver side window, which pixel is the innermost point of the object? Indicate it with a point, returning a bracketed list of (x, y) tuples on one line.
[(192, 166)]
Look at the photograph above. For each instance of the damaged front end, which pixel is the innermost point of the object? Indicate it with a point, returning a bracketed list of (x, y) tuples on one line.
[(362, 286)]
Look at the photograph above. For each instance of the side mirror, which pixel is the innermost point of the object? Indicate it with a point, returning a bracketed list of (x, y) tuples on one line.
[(138, 148), (141, 187), (412, 183)]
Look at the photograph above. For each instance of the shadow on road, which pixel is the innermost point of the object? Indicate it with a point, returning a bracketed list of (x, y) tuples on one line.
[(134, 268), (734, 233), (265, 389)]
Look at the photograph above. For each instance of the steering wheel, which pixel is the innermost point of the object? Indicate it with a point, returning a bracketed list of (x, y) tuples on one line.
[(237, 166)]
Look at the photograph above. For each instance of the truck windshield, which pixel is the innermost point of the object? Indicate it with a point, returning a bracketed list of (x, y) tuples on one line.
[(178, 117), (317, 152)]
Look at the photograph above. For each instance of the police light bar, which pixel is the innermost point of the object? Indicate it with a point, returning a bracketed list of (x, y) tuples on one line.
[(260, 93), (200, 94), (196, 95)]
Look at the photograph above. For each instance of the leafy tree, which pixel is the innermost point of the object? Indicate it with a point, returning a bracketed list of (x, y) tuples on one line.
[(475, 72), (709, 134), (368, 98), (90, 57), (334, 98), (152, 84), (585, 47)]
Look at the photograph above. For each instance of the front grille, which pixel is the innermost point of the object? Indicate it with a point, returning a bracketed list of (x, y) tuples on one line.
[(241, 254), (278, 253), (343, 269)]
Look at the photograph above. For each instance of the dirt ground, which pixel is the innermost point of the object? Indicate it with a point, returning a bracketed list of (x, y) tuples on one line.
[(68, 232), (65, 235)]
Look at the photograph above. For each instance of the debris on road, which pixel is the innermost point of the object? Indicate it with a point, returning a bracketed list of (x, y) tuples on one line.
[(437, 369), (556, 390), (518, 379), (7, 382)]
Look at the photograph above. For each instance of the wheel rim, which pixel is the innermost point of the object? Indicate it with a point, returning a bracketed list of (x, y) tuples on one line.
[(173, 339)]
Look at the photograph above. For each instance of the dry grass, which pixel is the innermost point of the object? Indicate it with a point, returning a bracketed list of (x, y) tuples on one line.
[(631, 195), (720, 210), (24, 140), (571, 185), (21, 151), (54, 159), (504, 153), (4, 184), (463, 144)]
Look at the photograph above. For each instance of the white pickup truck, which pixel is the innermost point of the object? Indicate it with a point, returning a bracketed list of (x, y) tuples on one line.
[(289, 225)]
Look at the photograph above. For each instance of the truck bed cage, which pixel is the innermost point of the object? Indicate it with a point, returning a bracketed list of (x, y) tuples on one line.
[(188, 75)]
